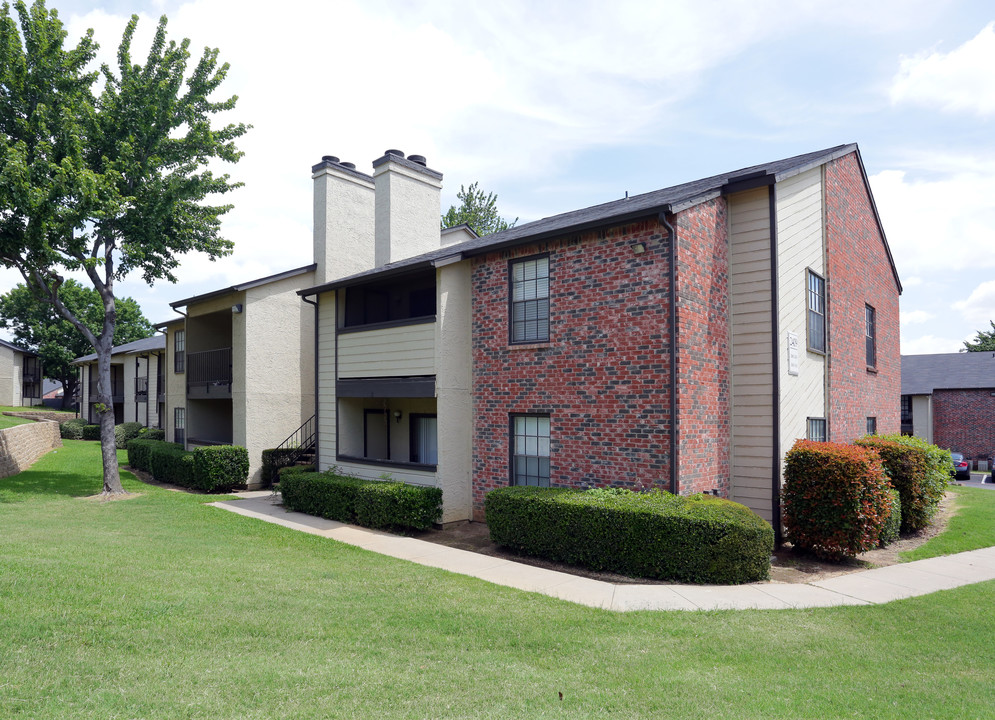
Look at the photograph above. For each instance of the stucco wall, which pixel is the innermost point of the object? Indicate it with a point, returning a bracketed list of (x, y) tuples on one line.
[(21, 445)]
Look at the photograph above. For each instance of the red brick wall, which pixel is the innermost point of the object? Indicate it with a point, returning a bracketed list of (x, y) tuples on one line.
[(604, 375), (964, 421), (858, 273), (703, 341)]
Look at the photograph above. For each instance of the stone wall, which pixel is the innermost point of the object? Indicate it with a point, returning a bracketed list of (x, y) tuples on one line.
[(21, 445)]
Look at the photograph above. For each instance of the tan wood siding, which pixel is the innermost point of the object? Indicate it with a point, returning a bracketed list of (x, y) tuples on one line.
[(752, 373), (326, 381), (388, 352)]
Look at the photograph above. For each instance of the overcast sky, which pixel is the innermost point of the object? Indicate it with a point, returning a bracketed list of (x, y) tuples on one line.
[(556, 106)]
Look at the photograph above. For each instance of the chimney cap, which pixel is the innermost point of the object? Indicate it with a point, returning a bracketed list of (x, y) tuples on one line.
[(418, 160), (393, 152), (329, 158), (351, 166)]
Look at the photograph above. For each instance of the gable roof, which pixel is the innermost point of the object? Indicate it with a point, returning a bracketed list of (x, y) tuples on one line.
[(17, 348), (922, 374), (667, 200), (145, 345), (243, 286)]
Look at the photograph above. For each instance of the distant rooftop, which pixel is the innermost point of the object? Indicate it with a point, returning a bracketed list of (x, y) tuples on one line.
[(149, 344), (922, 374)]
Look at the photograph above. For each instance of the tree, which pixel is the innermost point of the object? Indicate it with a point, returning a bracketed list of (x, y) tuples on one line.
[(477, 210), (109, 183), (37, 324), (984, 341)]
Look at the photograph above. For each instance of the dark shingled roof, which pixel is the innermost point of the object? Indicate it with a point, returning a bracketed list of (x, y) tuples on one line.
[(672, 199), (18, 348), (149, 344), (922, 374)]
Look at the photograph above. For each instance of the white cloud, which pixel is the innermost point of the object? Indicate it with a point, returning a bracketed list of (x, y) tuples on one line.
[(979, 307), (916, 317), (930, 344), (958, 81)]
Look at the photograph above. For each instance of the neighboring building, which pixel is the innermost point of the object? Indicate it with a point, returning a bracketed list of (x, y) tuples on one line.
[(20, 376), (137, 382), (592, 348), (948, 399), (241, 366)]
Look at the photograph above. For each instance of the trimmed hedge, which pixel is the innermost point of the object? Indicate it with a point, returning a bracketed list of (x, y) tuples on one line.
[(836, 498), (371, 503), (697, 539), (152, 434), (91, 432), (126, 431), (72, 429), (273, 461), (893, 524), (213, 469), (918, 470)]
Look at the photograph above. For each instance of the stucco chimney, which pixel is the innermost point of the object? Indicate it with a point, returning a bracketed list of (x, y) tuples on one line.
[(344, 211), (407, 207)]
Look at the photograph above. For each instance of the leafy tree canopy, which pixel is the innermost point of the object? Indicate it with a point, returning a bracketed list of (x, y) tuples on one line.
[(478, 210), (984, 341), (36, 324), (106, 183)]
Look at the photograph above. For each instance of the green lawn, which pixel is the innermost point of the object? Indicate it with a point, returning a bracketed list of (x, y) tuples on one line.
[(160, 607), (972, 527), (7, 421)]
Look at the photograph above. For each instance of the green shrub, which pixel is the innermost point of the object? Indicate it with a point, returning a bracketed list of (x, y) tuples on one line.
[(90, 432), (170, 463), (126, 431), (152, 434), (835, 498), (273, 460), (387, 505), (220, 468), (372, 503), (140, 453), (293, 470), (893, 524), (918, 470), (72, 429), (698, 539)]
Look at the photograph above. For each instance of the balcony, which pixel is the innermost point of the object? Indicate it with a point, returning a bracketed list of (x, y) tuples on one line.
[(117, 391), (209, 374), (141, 390)]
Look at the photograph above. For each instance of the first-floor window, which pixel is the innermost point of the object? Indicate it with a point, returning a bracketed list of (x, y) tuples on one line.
[(530, 450), (817, 429), (872, 426), (179, 425), (424, 439)]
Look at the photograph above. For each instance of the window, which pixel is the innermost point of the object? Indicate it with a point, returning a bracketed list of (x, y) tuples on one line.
[(530, 300), (179, 425), (530, 450), (816, 312), (179, 350), (870, 336), (872, 426), (817, 429), (424, 439), (906, 409), (408, 300)]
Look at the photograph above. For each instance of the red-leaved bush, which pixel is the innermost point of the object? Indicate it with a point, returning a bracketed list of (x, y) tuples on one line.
[(836, 498)]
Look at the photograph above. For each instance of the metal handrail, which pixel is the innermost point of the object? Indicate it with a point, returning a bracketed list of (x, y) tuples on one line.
[(301, 440)]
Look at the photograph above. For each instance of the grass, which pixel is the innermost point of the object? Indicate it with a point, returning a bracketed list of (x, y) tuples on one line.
[(7, 421), (971, 527), (160, 607)]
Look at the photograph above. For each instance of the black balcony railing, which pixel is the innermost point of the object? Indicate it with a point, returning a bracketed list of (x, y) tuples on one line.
[(141, 389), (117, 390), (209, 371)]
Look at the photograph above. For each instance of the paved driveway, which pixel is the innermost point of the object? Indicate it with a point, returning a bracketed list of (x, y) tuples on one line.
[(977, 480)]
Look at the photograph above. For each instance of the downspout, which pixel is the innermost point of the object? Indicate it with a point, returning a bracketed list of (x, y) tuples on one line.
[(316, 420), (672, 301), (138, 364), (775, 499)]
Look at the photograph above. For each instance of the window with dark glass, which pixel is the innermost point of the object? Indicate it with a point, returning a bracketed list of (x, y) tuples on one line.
[(179, 425), (396, 301), (870, 336), (872, 426), (179, 350), (906, 409), (817, 429), (424, 438), (530, 450), (816, 312), (530, 300)]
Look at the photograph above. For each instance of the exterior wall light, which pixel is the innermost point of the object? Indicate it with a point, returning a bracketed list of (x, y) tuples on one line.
[(236, 309), (638, 248), (397, 416)]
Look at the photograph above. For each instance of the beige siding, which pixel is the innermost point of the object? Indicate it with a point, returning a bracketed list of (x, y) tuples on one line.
[(922, 417), (800, 248), (176, 383), (327, 450), (752, 373), (390, 352)]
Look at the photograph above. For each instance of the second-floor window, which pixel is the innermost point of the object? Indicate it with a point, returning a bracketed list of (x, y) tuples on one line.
[(816, 312), (179, 351), (530, 300), (870, 336)]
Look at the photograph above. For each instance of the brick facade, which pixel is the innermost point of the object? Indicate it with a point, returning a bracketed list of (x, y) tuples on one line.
[(964, 421), (603, 377), (859, 273)]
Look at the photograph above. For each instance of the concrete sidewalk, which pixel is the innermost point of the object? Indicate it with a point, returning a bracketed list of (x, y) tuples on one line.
[(868, 587)]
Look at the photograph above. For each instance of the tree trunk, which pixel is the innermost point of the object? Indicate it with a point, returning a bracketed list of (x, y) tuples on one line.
[(105, 394), (68, 391)]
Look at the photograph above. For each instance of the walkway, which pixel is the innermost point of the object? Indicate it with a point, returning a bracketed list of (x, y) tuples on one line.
[(867, 587)]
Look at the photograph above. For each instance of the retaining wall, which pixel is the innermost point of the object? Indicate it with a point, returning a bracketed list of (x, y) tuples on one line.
[(21, 445)]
